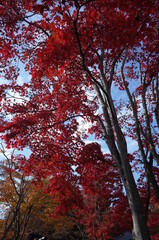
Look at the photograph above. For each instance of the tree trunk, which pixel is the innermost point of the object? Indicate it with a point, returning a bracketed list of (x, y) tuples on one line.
[(152, 180), (120, 156), (117, 145), (118, 149), (140, 230)]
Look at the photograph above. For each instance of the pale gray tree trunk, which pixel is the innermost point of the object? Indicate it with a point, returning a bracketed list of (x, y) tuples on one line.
[(118, 147), (119, 152)]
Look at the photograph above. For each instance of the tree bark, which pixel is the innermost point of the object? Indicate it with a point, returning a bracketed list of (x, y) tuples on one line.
[(140, 230), (118, 146), (118, 149)]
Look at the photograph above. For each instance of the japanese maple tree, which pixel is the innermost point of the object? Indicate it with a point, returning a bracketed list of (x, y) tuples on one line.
[(78, 54), (102, 193)]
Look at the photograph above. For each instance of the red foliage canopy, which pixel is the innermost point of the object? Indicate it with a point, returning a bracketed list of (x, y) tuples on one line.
[(71, 49)]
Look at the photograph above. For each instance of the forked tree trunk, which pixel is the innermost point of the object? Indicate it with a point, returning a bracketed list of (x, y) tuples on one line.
[(140, 229), (118, 146), (118, 149)]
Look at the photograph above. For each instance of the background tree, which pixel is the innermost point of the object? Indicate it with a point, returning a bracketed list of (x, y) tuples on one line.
[(27, 209), (103, 197), (14, 192), (43, 220)]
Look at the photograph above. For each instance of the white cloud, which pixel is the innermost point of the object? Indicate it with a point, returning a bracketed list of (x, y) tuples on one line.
[(83, 126)]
